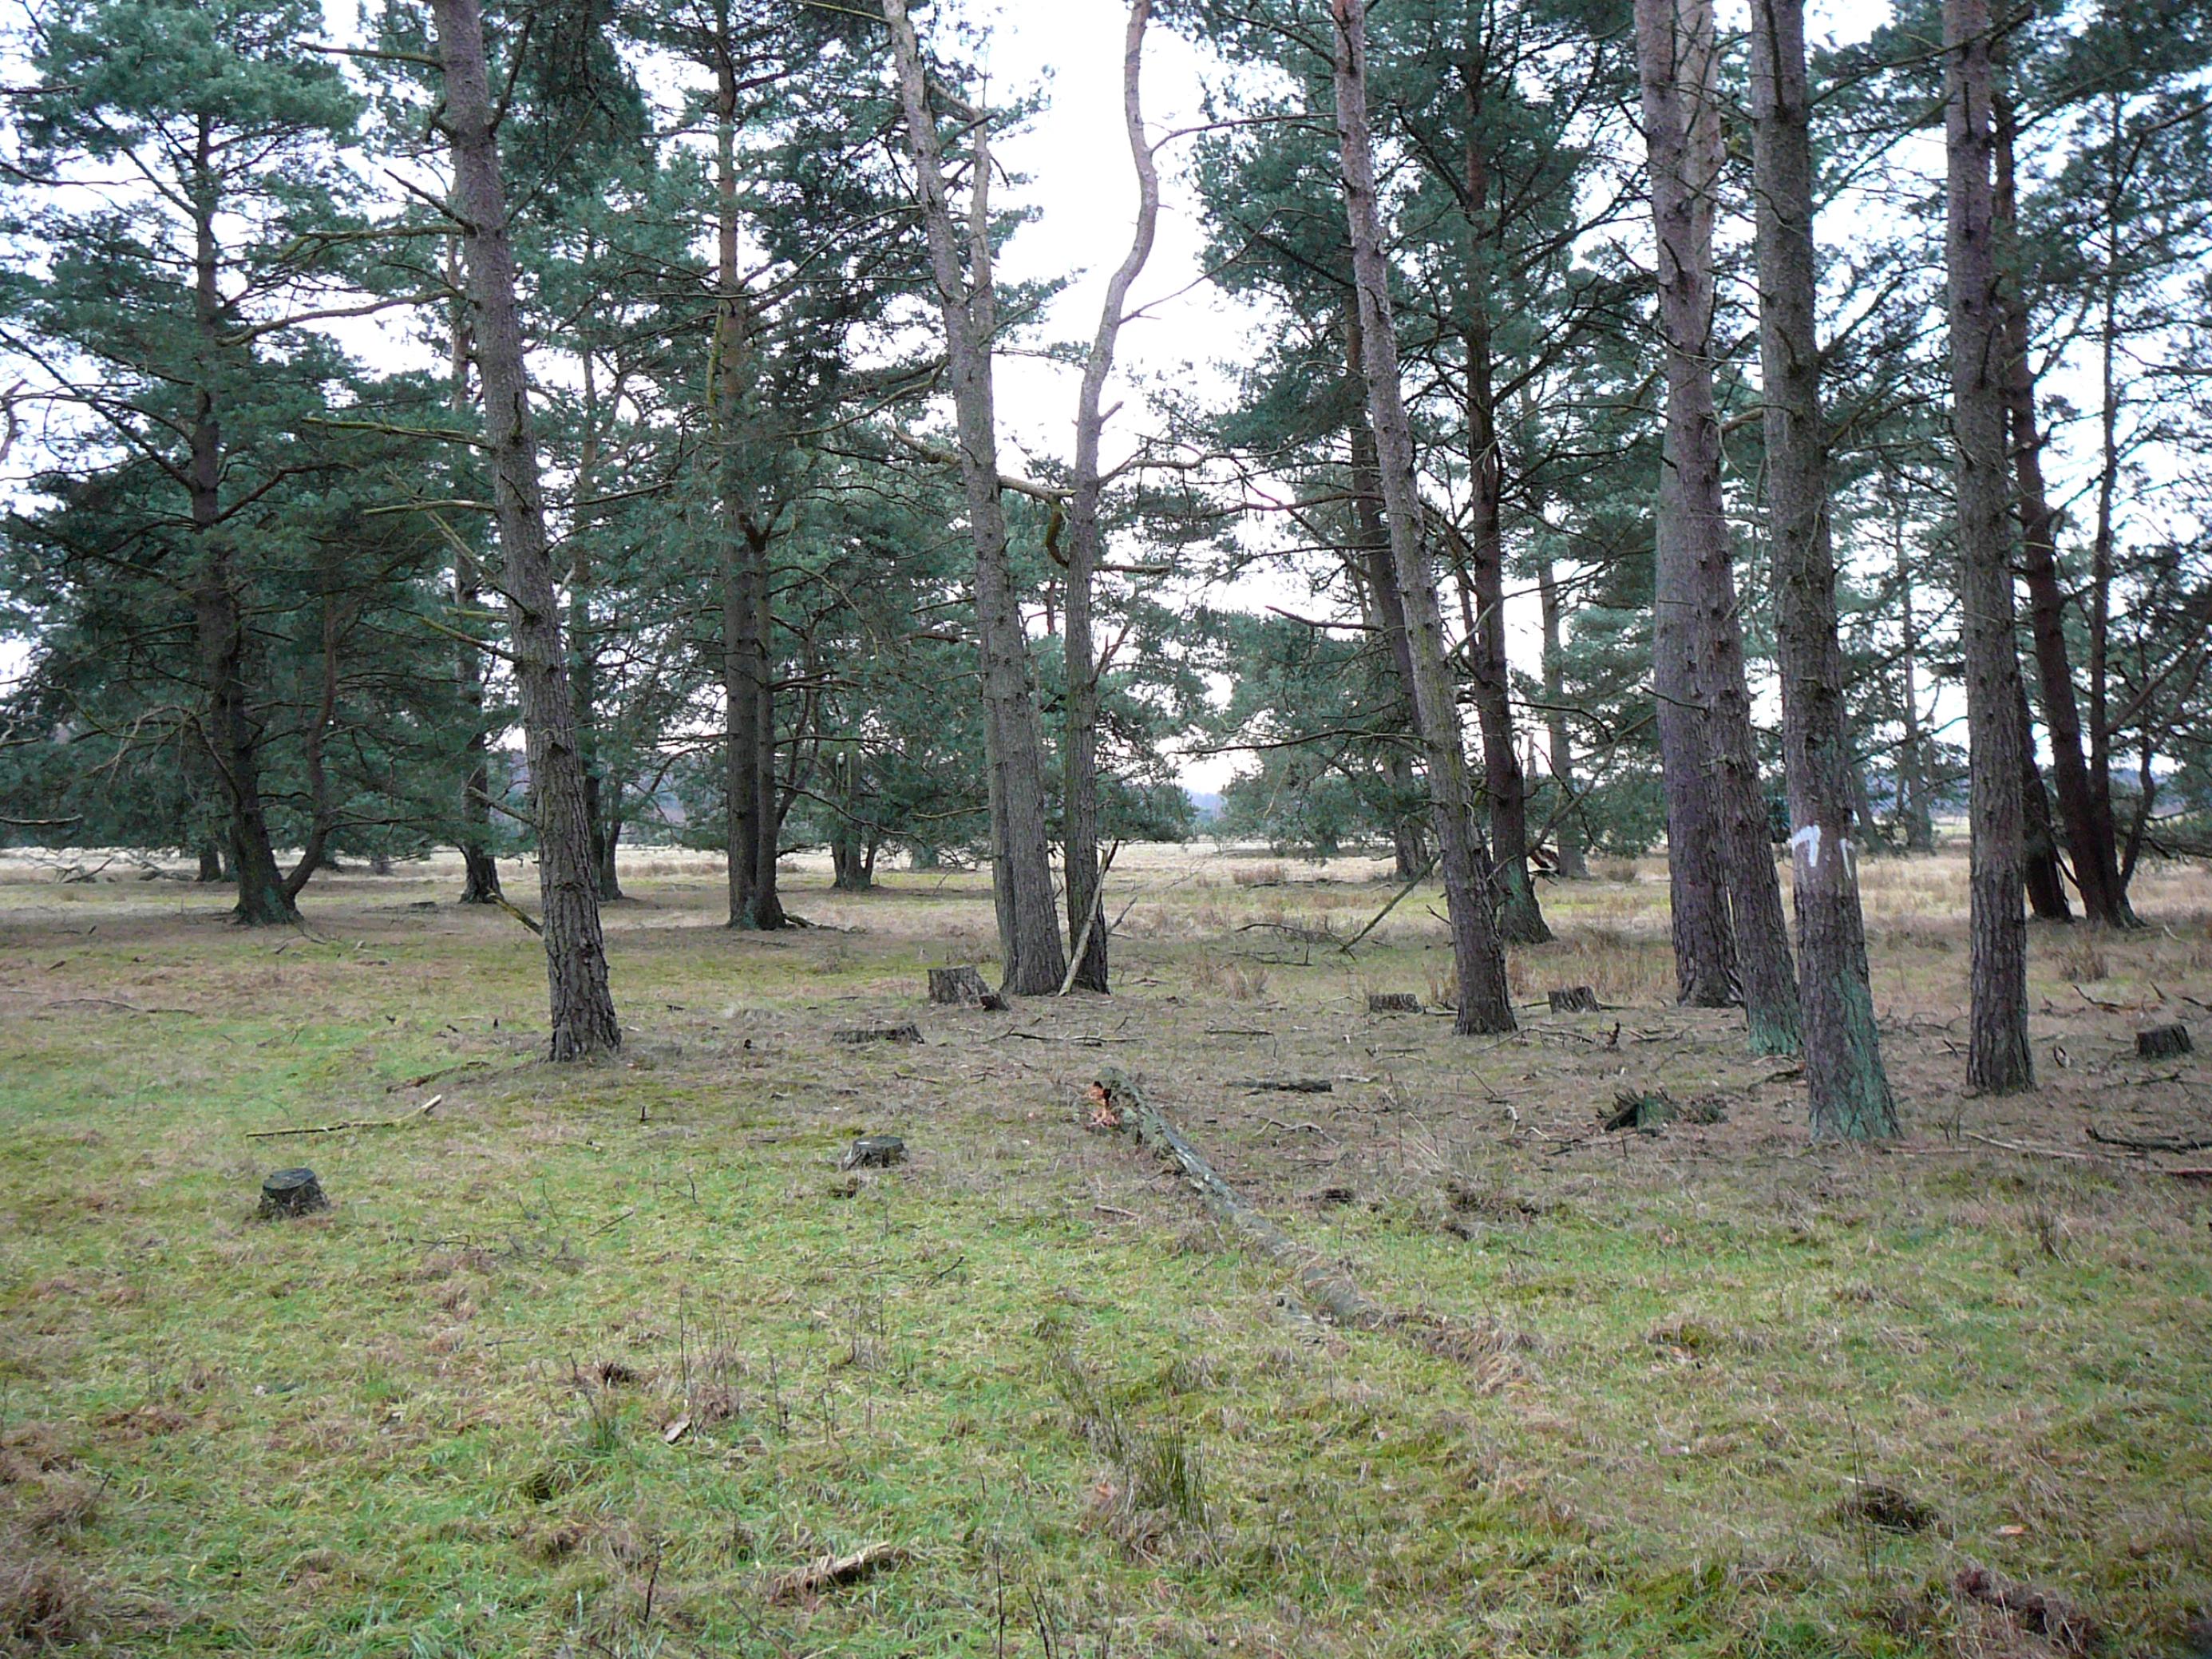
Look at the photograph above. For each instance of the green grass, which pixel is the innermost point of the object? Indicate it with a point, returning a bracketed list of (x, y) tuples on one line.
[(433, 1421)]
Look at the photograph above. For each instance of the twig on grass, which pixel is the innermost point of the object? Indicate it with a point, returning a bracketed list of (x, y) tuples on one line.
[(2032, 1151), (423, 1111)]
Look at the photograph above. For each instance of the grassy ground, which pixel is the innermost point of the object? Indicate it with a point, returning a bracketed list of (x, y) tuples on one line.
[(1719, 1392)]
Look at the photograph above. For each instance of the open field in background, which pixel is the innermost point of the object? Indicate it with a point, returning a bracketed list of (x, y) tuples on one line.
[(1711, 1391)]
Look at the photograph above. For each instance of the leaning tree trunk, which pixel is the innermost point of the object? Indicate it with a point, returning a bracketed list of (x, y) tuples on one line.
[(1084, 898), (1849, 1088), (1998, 1056), (1021, 869), (1678, 59), (1484, 1003), (2090, 836), (1569, 833), (583, 1010)]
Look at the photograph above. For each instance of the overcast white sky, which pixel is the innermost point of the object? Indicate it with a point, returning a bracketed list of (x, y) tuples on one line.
[(1079, 182)]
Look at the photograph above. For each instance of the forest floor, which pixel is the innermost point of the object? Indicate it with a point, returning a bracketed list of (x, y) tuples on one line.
[(593, 1359)]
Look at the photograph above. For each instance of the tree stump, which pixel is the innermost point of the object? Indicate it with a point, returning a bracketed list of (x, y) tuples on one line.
[(292, 1192), (1574, 1000), (880, 1033), (874, 1152), (962, 987), (1392, 1002), (2164, 1042)]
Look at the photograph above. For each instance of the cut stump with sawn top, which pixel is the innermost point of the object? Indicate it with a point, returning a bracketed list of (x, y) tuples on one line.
[(2164, 1042), (292, 1192), (962, 987)]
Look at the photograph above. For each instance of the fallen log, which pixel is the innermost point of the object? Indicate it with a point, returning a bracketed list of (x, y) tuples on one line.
[(1118, 1105), (1287, 1085), (2155, 1144), (1392, 1002)]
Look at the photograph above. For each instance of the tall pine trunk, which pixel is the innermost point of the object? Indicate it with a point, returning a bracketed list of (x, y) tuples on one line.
[(1678, 59), (479, 869), (1021, 865), (1520, 916), (1849, 1088), (582, 1007), (1086, 926), (747, 603), (230, 730), (1484, 1003), (1998, 1056)]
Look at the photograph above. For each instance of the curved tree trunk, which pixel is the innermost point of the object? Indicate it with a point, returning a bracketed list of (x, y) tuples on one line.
[(1484, 1003), (1997, 1057), (582, 1007), (1081, 854), (1845, 1077)]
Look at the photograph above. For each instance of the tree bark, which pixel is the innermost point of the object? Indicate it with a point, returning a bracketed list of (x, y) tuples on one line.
[(1697, 865), (1084, 540), (1568, 832), (1998, 1059), (582, 1007), (1849, 1088), (1678, 59), (232, 734), (1520, 916), (1021, 867), (2091, 838), (479, 869), (1484, 1003)]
